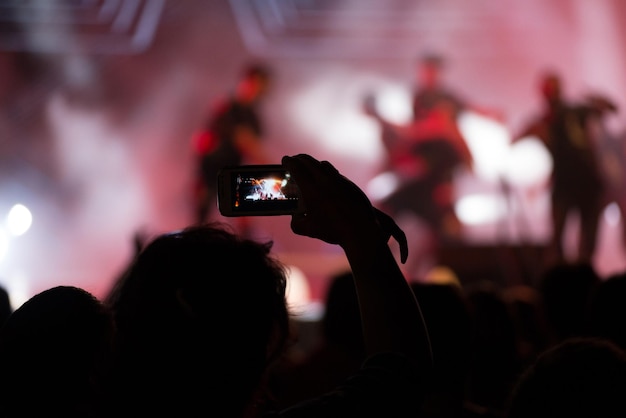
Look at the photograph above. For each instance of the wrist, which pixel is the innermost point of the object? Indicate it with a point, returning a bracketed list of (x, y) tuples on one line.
[(363, 240)]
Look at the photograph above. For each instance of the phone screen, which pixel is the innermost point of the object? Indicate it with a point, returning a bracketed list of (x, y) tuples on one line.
[(257, 190)]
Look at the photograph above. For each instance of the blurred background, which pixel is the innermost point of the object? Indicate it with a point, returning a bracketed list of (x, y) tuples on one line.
[(100, 98)]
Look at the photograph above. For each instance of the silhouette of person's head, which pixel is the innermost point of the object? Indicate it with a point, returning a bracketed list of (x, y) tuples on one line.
[(494, 345), (580, 377), (429, 70), (551, 87), (56, 348), (530, 332), (254, 83), (6, 308), (337, 349), (608, 310), (201, 314), (341, 323), (447, 316), (566, 290)]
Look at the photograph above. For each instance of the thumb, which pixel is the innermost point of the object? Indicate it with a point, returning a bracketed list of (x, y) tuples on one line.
[(391, 229)]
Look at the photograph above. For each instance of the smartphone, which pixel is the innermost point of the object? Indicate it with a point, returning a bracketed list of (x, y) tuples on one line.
[(257, 190)]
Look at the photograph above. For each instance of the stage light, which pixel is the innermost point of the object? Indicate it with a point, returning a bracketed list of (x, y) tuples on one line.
[(393, 102), (442, 275), (382, 185), (612, 214), (329, 111), (299, 297), (19, 220), (488, 141), (4, 244), (298, 292), (479, 209), (528, 162), (17, 283)]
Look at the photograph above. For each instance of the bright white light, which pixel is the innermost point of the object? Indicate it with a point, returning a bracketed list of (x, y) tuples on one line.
[(16, 283), (19, 220), (4, 244), (299, 296), (488, 140), (382, 185), (106, 170), (331, 122), (480, 209), (330, 112), (612, 214), (298, 291), (312, 312), (529, 162), (393, 102)]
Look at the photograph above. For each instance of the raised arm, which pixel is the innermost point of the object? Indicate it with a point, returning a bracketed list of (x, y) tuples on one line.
[(338, 212), (536, 128), (391, 130), (601, 104), (250, 145)]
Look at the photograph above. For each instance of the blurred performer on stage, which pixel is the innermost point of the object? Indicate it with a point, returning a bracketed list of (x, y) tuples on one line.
[(578, 181), (232, 135), (426, 153)]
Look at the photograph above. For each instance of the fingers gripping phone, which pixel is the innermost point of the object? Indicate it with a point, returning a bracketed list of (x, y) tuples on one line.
[(257, 190)]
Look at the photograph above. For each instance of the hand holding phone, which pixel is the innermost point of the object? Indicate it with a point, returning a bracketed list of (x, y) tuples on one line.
[(337, 209)]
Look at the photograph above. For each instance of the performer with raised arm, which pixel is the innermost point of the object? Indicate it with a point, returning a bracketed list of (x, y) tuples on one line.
[(426, 153), (578, 183)]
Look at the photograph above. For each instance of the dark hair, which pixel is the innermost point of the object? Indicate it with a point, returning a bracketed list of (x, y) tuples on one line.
[(206, 308), (55, 348), (258, 70), (341, 323), (431, 58), (566, 293), (580, 377)]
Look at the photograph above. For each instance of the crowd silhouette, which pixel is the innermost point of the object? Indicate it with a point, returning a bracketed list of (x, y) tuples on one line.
[(198, 323)]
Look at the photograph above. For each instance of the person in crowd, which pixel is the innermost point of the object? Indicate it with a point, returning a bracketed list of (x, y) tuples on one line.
[(525, 305), (605, 317), (578, 180), (201, 315), (446, 312), (56, 349), (494, 362), (566, 292), (579, 377), (337, 351), (232, 134)]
